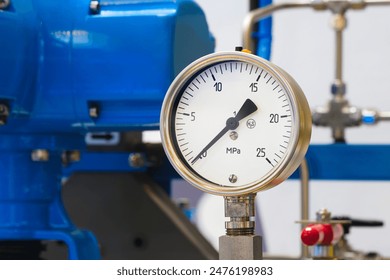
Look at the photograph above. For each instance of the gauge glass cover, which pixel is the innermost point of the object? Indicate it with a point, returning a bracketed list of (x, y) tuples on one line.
[(232, 123)]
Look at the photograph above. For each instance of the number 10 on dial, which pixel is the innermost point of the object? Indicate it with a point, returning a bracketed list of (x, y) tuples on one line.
[(233, 124)]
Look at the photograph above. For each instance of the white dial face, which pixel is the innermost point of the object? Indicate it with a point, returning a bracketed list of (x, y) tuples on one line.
[(233, 123)]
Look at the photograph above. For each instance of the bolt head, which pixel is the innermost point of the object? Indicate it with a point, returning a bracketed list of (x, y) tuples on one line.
[(94, 111), (136, 160), (40, 155), (94, 7), (233, 178), (233, 135)]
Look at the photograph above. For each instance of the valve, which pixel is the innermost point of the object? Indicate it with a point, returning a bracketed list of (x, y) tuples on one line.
[(321, 234), (327, 236)]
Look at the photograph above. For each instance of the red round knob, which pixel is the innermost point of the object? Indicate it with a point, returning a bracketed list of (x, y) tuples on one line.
[(317, 234)]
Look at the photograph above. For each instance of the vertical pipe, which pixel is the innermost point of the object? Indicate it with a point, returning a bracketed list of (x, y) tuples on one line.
[(339, 24), (339, 56), (304, 177)]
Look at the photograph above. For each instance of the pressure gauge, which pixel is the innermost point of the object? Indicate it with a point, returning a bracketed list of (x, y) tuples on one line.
[(233, 123)]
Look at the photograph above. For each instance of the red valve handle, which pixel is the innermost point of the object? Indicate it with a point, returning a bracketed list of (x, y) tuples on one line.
[(317, 234)]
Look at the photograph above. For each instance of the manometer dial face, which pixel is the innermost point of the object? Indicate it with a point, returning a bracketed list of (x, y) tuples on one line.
[(232, 123)]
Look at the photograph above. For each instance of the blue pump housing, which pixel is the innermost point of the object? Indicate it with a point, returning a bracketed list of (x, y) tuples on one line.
[(67, 68), (61, 59)]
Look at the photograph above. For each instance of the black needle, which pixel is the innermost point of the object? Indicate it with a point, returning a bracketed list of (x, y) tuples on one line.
[(231, 123)]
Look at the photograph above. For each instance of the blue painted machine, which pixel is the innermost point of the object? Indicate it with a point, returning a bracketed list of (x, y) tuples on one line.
[(68, 68), (79, 66)]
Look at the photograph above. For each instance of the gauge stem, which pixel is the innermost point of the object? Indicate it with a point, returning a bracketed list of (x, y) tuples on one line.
[(241, 211), (240, 242)]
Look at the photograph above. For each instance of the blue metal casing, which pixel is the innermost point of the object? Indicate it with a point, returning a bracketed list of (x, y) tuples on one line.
[(59, 60)]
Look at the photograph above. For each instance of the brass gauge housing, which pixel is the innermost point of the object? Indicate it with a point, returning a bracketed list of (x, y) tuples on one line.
[(233, 123)]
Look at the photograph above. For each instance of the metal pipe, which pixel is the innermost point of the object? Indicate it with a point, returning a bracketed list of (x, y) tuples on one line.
[(384, 116), (304, 177), (254, 16), (339, 23), (377, 2), (335, 6), (339, 56)]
